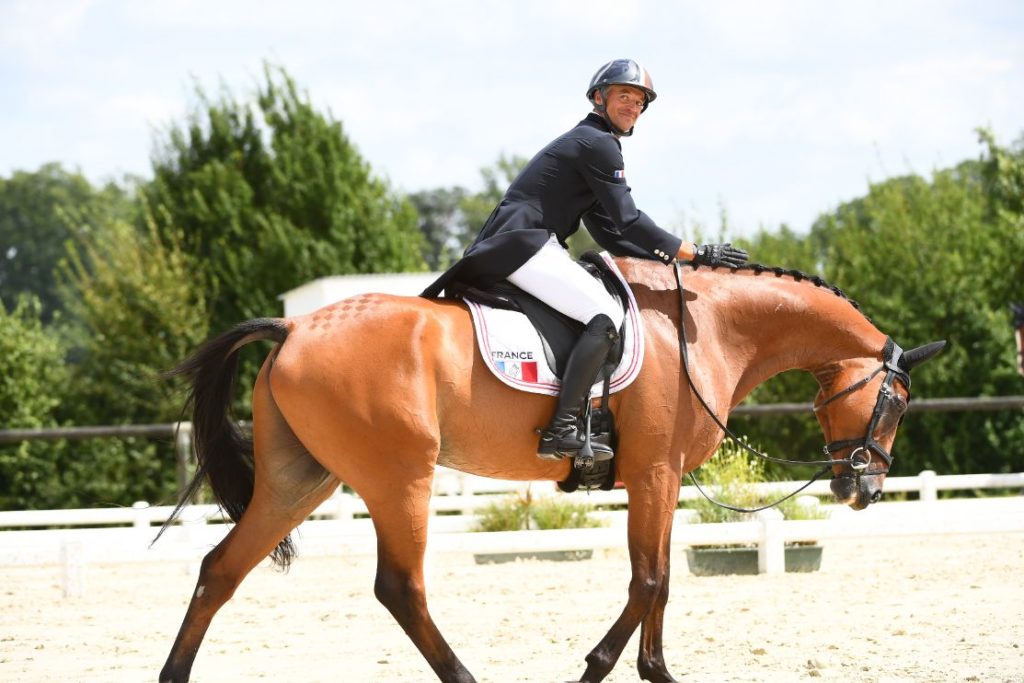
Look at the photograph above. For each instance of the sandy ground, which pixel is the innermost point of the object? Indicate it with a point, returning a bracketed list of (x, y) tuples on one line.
[(939, 608)]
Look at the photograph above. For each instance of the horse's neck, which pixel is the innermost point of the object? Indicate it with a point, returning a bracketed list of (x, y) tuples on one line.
[(778, 323), (761, 325)]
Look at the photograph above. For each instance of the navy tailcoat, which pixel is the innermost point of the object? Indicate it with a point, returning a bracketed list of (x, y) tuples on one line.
[(578, 176)]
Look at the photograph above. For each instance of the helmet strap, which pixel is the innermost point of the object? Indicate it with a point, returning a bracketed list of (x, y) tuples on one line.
[(603, 111)]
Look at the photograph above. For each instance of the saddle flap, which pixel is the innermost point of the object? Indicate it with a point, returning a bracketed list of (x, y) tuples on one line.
[(525, 343)]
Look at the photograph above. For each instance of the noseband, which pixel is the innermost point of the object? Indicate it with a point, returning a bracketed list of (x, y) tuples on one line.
[(860, 457)]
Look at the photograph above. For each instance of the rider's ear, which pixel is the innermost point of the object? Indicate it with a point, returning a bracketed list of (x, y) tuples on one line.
[(914, 357)]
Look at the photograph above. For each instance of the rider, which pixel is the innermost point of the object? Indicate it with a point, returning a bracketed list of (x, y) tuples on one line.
[(579, 175)]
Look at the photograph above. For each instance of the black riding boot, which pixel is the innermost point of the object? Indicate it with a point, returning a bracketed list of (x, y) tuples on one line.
[(561, 437)]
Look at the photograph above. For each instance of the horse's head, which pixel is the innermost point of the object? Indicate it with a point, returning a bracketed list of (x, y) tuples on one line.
[(860, 421)]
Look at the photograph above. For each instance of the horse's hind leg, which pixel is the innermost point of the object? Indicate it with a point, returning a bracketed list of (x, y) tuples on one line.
[(289, 484), (400, 516)]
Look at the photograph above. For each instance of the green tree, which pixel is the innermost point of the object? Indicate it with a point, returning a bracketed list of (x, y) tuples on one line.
[(268, 194), (33, 230), (931, 259), (477, 207), (32, 375), (134, 309), (442, 224)]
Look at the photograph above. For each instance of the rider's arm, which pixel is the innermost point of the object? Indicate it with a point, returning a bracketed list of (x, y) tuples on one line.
[(600, 164)]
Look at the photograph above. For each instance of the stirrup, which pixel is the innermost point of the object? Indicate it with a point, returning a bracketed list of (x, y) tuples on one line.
[(581, 447)]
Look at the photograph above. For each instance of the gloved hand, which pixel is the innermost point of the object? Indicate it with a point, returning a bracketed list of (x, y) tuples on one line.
[(720, 255)]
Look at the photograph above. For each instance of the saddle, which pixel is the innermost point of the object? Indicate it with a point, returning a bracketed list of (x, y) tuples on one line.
[(557, 335)]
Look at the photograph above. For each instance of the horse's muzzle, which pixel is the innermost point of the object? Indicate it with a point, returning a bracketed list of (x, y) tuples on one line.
[(857, 490)]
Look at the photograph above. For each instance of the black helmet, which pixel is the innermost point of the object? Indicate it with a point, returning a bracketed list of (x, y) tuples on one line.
[(622, 72)]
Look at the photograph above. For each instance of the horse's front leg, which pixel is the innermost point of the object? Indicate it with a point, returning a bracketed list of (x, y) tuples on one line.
[(650, 661), (653, 495)]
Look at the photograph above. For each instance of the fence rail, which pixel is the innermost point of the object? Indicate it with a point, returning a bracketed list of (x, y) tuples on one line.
[(171, 429), (456, 492), (340, 526)]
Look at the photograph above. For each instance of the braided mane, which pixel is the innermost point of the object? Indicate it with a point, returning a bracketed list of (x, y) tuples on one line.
[(798, 276)]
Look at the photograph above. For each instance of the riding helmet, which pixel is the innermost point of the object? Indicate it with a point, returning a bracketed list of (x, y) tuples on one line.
[(622, 72)]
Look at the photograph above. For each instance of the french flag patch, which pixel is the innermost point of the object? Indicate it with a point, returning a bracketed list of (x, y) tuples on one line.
[(522, 370), (621, 175)]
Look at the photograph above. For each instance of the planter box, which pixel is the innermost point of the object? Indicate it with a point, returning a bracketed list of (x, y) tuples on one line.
[(717, 561), (550, 555)]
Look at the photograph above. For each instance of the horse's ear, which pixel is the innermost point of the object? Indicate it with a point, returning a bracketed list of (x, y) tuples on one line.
[(1018, 314), (914, 357)]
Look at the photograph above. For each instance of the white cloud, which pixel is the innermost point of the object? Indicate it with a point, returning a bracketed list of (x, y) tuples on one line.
[(31, 30), (778, 109)]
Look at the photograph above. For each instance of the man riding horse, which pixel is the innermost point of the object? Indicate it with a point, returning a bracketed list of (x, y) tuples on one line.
[(578, 176)]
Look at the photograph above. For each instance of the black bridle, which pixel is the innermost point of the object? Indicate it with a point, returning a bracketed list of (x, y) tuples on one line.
[(860, 456), (859, 460)]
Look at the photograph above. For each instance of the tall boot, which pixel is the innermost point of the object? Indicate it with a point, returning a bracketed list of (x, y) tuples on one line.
[(561, 438)]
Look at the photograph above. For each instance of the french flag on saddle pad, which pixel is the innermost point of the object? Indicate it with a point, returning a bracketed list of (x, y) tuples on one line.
[(524, 370)]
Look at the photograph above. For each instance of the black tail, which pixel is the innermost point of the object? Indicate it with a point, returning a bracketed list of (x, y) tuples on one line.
[(224, 450)]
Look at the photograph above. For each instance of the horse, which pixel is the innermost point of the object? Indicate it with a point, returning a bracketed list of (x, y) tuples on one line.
[(376, 391)]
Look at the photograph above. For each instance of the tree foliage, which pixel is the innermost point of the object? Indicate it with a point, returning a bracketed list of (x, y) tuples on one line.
[(443, 224), (268, 194), (33, 230), (32, 377), (135, 309), (928, 259)]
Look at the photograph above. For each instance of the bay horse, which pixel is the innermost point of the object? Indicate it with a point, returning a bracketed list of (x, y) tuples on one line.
[(376, 391)]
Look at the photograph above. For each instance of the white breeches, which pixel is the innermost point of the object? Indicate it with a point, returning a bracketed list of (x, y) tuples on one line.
[(553, 277)]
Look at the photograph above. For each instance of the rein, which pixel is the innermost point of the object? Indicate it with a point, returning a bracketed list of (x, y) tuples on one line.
[(859, 458)]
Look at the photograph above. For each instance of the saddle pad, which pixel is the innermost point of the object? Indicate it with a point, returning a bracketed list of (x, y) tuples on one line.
[(513, 350)]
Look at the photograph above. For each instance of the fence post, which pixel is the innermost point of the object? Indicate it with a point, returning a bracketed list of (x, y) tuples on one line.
[(72, 559), (466, 496), (183, 455), (142, 515), (771, 551), (929, 483), (343, 512)]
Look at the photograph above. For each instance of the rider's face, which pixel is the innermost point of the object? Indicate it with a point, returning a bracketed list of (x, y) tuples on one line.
[(624, 106)]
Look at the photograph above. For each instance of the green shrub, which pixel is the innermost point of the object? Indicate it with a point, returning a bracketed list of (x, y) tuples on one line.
[(729, 477), (522, 511), (558, 513), (510, 514)]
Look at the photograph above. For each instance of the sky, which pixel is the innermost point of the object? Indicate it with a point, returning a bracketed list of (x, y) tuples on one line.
[(769, 111)]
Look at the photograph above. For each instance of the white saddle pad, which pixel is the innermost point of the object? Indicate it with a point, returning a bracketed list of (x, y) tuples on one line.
[(513, 350)]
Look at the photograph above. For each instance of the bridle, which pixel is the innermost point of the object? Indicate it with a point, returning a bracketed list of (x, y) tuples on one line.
[(859, 460), (860, 456)]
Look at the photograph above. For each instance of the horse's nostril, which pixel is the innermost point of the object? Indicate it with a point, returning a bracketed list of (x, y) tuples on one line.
[(876, 496)]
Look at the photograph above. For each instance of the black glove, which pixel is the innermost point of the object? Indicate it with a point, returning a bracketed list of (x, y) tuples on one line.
[(720, 255)]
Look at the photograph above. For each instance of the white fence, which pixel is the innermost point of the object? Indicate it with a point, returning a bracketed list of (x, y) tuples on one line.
[(340, 526)]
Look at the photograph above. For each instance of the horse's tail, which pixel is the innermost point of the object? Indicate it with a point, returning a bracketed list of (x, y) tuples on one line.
[(224, 451)]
